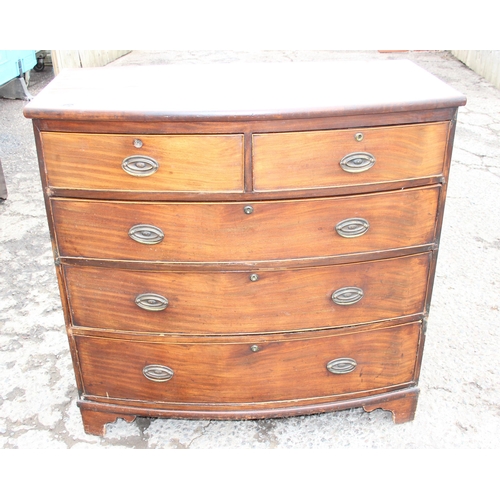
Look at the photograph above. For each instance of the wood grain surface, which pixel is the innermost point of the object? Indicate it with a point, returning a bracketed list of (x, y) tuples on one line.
[(294, 160), (223, 372), (229, 302), (186, 162), (223, 232), (195, 92)]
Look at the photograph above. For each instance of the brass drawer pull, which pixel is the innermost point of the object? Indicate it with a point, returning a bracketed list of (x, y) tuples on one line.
[(341, 365), (158, 373), (347, 296), (357, 162), (146, 234), (151, 302), (140, 166), (352, 228)]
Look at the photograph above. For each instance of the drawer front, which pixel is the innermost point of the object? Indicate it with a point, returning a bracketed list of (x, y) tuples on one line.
[(209, 163), (249, 371), (306, 160), (223, 232), (237, 301)]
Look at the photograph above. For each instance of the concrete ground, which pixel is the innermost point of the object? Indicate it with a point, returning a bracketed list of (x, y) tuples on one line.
[(459, 405)]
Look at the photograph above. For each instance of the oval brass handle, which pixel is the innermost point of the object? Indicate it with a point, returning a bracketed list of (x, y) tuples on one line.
[(341, 365), (352, 228), (347, 296), (140, 166), (146, 234), (151, 302), (158, 373), (357, 162)]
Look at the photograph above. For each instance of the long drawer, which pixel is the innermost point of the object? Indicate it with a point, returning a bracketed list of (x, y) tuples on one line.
[(237, 301), (252, 370), (197, 163), (224, 232), (331, 158)]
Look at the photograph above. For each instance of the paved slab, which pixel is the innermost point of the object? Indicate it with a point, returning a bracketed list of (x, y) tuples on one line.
[(459, 405)]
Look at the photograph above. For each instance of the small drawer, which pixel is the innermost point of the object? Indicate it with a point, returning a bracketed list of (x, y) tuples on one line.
[(251, 371), (209, 163), (334, 158), (218, 302), (257, 231)]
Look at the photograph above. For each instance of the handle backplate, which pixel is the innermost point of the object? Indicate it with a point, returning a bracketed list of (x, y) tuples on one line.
[(352, 228), (140, 166), (151, 302), (146, 234), (158, 373), (357, 162), (340, 366), (347, 296)]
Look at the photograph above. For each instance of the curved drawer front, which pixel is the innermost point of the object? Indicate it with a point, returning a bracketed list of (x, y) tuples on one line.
[(250, 371), (212, 163), (307, 160), (224, 232), (237, 301)]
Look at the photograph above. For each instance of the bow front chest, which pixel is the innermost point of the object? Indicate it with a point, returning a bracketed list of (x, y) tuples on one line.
[(245, 240)]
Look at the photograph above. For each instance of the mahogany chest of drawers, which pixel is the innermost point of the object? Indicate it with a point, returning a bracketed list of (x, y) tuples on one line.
[(245, 241)]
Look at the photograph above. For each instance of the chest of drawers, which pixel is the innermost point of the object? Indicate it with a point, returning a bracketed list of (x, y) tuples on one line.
[(245, 241)]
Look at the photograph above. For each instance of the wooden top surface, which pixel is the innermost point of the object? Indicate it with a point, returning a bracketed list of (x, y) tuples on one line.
[(241, 91)]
